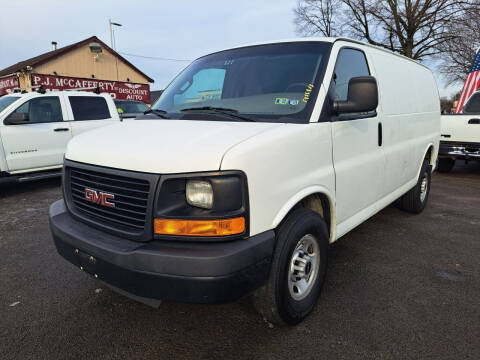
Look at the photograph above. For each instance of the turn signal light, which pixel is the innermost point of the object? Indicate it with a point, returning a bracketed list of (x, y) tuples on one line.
[(223, 227)]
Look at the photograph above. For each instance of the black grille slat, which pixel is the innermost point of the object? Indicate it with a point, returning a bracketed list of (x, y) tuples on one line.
[(121, 217), (109, 178), (81, 188), (131, 197), (141, 215), (106, 186), (78, 192), (95, 214)]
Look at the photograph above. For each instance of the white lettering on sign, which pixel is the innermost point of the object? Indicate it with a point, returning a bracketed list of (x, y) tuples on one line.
[(117, 89)]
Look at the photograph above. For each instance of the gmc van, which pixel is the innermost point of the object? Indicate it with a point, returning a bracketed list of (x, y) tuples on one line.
[(250, 164)]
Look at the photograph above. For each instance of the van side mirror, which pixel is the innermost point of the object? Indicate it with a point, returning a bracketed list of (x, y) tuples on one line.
[(362, 96), (17, 119)]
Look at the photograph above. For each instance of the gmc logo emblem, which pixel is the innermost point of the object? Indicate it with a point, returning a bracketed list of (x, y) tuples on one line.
[(99, 197)]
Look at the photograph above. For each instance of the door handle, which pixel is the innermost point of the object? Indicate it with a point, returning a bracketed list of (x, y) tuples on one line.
[(61, 129), (380, 134), (474, 121)]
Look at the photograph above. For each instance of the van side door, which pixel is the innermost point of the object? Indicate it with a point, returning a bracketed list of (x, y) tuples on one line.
[(90, 112), (358, 157), (40, 142)]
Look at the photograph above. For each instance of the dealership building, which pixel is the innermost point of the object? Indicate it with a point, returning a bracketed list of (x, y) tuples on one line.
[(89, 64)]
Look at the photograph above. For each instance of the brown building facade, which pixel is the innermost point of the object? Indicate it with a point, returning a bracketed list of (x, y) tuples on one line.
[(87, 64)]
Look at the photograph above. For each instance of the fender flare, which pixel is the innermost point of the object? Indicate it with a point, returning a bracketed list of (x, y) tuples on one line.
[(302, 194), (432, 158)]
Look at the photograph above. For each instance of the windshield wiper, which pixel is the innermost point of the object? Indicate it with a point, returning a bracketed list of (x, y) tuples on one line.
[(232, 113), (158, 112)]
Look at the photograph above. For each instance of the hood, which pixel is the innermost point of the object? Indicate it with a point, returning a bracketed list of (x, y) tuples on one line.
[(162, 146)]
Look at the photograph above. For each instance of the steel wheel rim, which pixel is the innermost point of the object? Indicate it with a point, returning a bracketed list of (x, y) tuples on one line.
[(304, 267), (424, 188)]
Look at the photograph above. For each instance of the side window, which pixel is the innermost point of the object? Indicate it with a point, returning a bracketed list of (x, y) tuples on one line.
[(350, 63), (207, 84), (473, 105), (89, 108), (42, 110)]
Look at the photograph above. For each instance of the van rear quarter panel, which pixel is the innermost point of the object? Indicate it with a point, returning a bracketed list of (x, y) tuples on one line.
[(283, 166), (409, 109)]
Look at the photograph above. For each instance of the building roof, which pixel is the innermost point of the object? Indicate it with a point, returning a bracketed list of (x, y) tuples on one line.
[(46, 57)]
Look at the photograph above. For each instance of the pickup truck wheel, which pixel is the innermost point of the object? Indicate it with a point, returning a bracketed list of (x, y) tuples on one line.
[(416, 199), (298, 269), (445, 165)]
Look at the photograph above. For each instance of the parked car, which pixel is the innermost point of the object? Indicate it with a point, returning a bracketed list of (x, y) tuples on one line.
[(130, 109), (261, 156), (460, 135), (36, 127)]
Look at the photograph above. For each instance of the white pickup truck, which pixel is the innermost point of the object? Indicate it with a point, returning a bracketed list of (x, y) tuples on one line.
[(460, 135), (36, 127)]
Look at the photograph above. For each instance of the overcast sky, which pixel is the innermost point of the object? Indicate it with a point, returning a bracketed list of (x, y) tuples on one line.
[(164, 28)]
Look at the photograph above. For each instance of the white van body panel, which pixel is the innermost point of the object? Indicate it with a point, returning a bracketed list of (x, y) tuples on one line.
[(410, 126), (282, 165), (167, 146)]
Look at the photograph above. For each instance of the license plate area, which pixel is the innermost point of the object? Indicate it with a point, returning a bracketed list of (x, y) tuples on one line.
[(86, 262)]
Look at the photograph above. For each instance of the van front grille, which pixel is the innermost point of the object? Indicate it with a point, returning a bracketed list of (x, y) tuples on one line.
[(106, 197)]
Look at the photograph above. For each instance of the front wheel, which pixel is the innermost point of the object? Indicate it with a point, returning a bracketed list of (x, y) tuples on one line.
[(298, 269), (416, 199)]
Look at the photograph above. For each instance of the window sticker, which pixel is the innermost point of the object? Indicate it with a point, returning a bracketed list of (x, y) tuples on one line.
[(308, 91), (286, 101)]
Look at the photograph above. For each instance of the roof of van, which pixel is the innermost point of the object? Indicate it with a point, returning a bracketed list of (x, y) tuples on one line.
[(329, 40)]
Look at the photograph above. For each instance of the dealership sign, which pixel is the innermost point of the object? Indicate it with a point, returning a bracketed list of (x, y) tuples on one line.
[(8, 83), (117, 89)]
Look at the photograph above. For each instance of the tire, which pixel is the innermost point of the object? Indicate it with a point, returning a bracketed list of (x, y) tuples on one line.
[(416, 199), (445, 165), (277, 300)]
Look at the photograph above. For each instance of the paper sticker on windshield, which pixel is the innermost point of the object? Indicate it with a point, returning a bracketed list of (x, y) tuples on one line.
[(286, 101), (308, 91)]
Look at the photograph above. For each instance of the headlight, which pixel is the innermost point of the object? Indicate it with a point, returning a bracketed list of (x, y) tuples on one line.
[(210, 205), (199, 193)]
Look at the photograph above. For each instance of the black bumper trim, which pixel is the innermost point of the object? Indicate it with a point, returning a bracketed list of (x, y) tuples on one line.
[(459, 149), (171, 271)]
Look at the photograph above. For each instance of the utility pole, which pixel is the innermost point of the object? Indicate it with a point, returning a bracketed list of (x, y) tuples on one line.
[(112, 40), (112, 36)]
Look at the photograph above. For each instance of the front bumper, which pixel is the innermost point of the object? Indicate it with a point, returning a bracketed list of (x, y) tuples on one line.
[(461, 150), (164, 270)]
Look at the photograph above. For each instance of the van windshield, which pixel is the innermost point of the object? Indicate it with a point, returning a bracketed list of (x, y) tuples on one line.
[(273, 83), (6, 101)]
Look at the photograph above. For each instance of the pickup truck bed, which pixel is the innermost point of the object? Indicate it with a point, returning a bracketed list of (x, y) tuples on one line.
[(460, 139)]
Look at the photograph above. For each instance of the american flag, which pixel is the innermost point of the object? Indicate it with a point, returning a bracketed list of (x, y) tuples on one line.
[(472, 82)]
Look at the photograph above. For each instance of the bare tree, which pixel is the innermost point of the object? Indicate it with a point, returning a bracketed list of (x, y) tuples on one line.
[(414, 28), (313, 17), (456, 55)]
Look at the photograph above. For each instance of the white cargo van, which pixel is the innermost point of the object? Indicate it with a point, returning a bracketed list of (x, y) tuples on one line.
[(259, 158), (35, 128)]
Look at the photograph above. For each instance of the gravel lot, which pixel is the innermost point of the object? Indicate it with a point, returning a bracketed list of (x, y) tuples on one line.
[(399, 286)]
